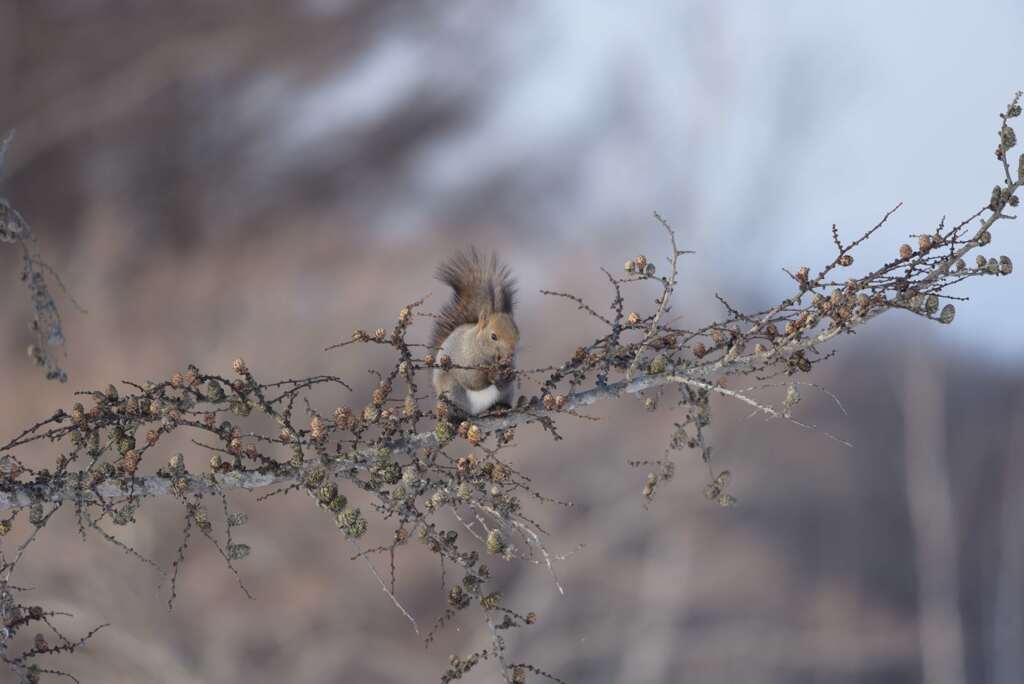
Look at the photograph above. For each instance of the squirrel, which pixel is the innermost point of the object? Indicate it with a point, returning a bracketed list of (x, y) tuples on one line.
[(477, 334)]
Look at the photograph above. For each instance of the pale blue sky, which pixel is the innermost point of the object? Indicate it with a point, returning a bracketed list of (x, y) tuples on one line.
[(752, 125)]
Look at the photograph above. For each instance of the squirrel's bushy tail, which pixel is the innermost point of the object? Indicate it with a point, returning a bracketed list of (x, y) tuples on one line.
[(479, 285)]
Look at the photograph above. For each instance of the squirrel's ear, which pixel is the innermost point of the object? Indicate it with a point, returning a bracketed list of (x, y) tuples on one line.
[(483, 317)]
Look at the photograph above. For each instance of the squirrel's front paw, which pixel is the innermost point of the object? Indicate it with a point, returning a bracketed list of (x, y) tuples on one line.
[(501, 375)]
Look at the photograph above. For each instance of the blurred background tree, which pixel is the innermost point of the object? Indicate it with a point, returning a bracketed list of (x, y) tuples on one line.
[(257, 179)]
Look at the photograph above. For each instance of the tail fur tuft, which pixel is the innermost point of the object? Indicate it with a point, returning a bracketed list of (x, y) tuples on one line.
[(478, 284)]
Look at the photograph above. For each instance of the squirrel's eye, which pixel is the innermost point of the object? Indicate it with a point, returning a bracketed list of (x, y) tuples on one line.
[(494, 336)]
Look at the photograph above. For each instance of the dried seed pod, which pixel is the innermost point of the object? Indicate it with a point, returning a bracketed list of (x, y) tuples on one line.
[(499, 473), (996, 199), (947, 314), (495, 544), (238, 551), (317, 428), (131, 461), (442, 431), (1007, 137), (327, 491), (658, 365), (36, 514), (343, 417), (846, 260), (798, 360), (906, 252), (214, 393), (353, 523)]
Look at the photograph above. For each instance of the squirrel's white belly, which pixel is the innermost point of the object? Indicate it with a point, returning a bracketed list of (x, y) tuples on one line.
[(481, 400)]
